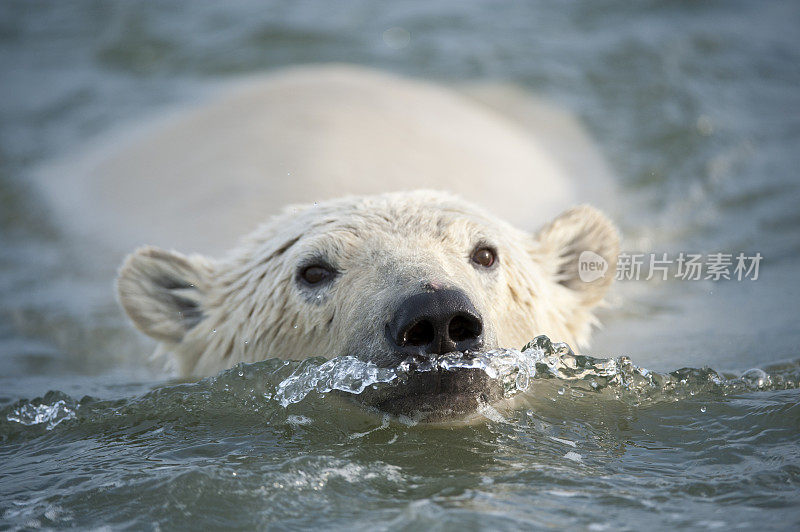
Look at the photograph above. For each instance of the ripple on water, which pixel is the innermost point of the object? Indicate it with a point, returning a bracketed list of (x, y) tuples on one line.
[(253, 388), (274, 442)]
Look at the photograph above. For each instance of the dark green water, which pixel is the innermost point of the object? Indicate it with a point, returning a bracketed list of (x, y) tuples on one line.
[(589, 443), (697, 107)]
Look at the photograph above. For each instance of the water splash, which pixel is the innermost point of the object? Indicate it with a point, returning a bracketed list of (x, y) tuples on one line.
[(49, 411), (632, 382), (517, 371), (257, 389), (347, 374)]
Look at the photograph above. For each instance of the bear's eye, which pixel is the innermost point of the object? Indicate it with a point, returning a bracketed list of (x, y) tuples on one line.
[(316, 274), (484, 256)]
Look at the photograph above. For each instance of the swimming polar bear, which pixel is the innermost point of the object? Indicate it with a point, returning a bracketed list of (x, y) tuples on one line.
[(385, 273), (387, 278), (378, 277)]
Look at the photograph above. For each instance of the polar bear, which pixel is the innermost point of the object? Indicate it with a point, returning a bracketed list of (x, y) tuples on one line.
[(369, 265), (384, 278), (377, 277)]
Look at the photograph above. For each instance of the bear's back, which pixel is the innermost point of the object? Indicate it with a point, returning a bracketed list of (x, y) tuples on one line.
[(206, 176)]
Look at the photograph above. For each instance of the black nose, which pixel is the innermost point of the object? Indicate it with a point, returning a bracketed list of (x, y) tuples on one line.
[(436, 322)]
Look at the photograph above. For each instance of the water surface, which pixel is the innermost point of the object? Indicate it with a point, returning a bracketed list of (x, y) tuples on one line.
[(696, 106)]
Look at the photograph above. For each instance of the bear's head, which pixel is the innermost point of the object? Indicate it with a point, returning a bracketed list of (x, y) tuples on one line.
[(382, 278)]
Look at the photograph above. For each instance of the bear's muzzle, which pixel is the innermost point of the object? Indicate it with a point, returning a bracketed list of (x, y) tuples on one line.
[(435, 322)]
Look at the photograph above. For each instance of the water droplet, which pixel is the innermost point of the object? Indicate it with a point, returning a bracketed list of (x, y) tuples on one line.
[(396, 38), (561, 391), (294, 326), (49, 414), (704, 125), (702, 408), (575, 457)]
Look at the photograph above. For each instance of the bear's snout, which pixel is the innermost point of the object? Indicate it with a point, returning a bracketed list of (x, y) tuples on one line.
[(436, 322)]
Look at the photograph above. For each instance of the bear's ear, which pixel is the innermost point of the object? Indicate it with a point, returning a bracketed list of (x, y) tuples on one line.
[(163, 291), (579, 248)]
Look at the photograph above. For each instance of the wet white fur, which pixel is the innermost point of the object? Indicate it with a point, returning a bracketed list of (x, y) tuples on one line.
[(384, 248), (201, 178)]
